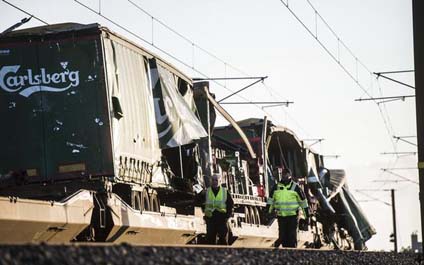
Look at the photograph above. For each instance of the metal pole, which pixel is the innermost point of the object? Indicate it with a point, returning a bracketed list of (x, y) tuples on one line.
[(246, 87), (394, 80), (181, 162), (197, 79), (394, 72), (259, 102), (264, 155), (394, 220), (418, 21), (393, 97)]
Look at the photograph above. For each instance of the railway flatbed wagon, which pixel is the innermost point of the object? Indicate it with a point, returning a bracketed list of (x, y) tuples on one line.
[(79, 103), (104, 141), (96, 131)]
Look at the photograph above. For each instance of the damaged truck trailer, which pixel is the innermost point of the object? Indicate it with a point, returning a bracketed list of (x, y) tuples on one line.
[(104, 141)]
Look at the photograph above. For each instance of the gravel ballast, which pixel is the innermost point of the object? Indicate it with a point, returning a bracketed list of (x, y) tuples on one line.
[(128, 254)]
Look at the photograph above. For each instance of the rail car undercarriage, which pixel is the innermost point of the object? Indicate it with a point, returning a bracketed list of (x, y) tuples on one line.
[(113, 144)]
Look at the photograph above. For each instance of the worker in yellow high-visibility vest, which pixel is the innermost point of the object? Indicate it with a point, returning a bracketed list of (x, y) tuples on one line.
[(218, 209), (286, 200)]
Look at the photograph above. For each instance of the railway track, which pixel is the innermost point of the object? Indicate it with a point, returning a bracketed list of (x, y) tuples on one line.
[(105, 253)]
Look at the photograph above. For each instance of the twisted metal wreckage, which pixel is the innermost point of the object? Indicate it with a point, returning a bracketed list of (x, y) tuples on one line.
[(107, 142)]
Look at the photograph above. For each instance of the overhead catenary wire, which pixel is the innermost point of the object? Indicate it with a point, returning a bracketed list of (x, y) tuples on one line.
[(336, 58), (170, 55), (99, 13), (373, 198), (387, 122), (271, 90), (174, 57), (399, 176), (226, 64)]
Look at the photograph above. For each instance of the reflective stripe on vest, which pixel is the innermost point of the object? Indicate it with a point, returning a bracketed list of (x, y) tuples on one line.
[(287, 201), (218, 202)]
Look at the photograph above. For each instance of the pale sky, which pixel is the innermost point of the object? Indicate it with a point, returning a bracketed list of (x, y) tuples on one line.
[(262, 38)]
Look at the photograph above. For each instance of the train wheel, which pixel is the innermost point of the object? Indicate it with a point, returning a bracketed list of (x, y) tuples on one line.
[(154, 202), (145, 201), (257, 216), (335, 240), (136, 200), (252, 215), (246, 215)]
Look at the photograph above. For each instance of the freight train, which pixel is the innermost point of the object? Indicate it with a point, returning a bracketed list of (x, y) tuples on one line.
[(103, 141)]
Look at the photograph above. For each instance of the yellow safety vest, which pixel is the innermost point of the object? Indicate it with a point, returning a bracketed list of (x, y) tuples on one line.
[(218, 202), (286, 201)]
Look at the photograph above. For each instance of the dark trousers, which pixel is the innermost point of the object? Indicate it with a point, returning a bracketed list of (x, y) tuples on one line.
[(287, 231), (217, 226)]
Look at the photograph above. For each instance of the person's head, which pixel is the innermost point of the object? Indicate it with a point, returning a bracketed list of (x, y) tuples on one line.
[(286, 175), (215, 180)]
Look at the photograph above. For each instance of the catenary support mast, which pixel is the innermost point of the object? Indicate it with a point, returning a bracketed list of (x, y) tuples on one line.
[(418, 20)]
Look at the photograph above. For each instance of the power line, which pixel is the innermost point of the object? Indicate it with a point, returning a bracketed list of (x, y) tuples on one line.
[(138, 37), (373, 198), (201, 49), (208, 53), (390, 180), (386, 119), (219, 59), (174, 57), (197, 46), (154, 19), (339, 41), (184, 37), (399, 176), (336, 57), (167, 53)]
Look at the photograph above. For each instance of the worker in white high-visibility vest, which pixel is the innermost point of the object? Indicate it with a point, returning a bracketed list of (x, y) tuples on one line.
[(286, 200), (218, 209)]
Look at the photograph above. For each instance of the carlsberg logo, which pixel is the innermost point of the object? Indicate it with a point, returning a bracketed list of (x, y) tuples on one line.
[(29, 82)]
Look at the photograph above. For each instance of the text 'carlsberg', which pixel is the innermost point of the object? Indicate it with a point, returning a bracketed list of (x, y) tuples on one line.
[(27, 83)]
